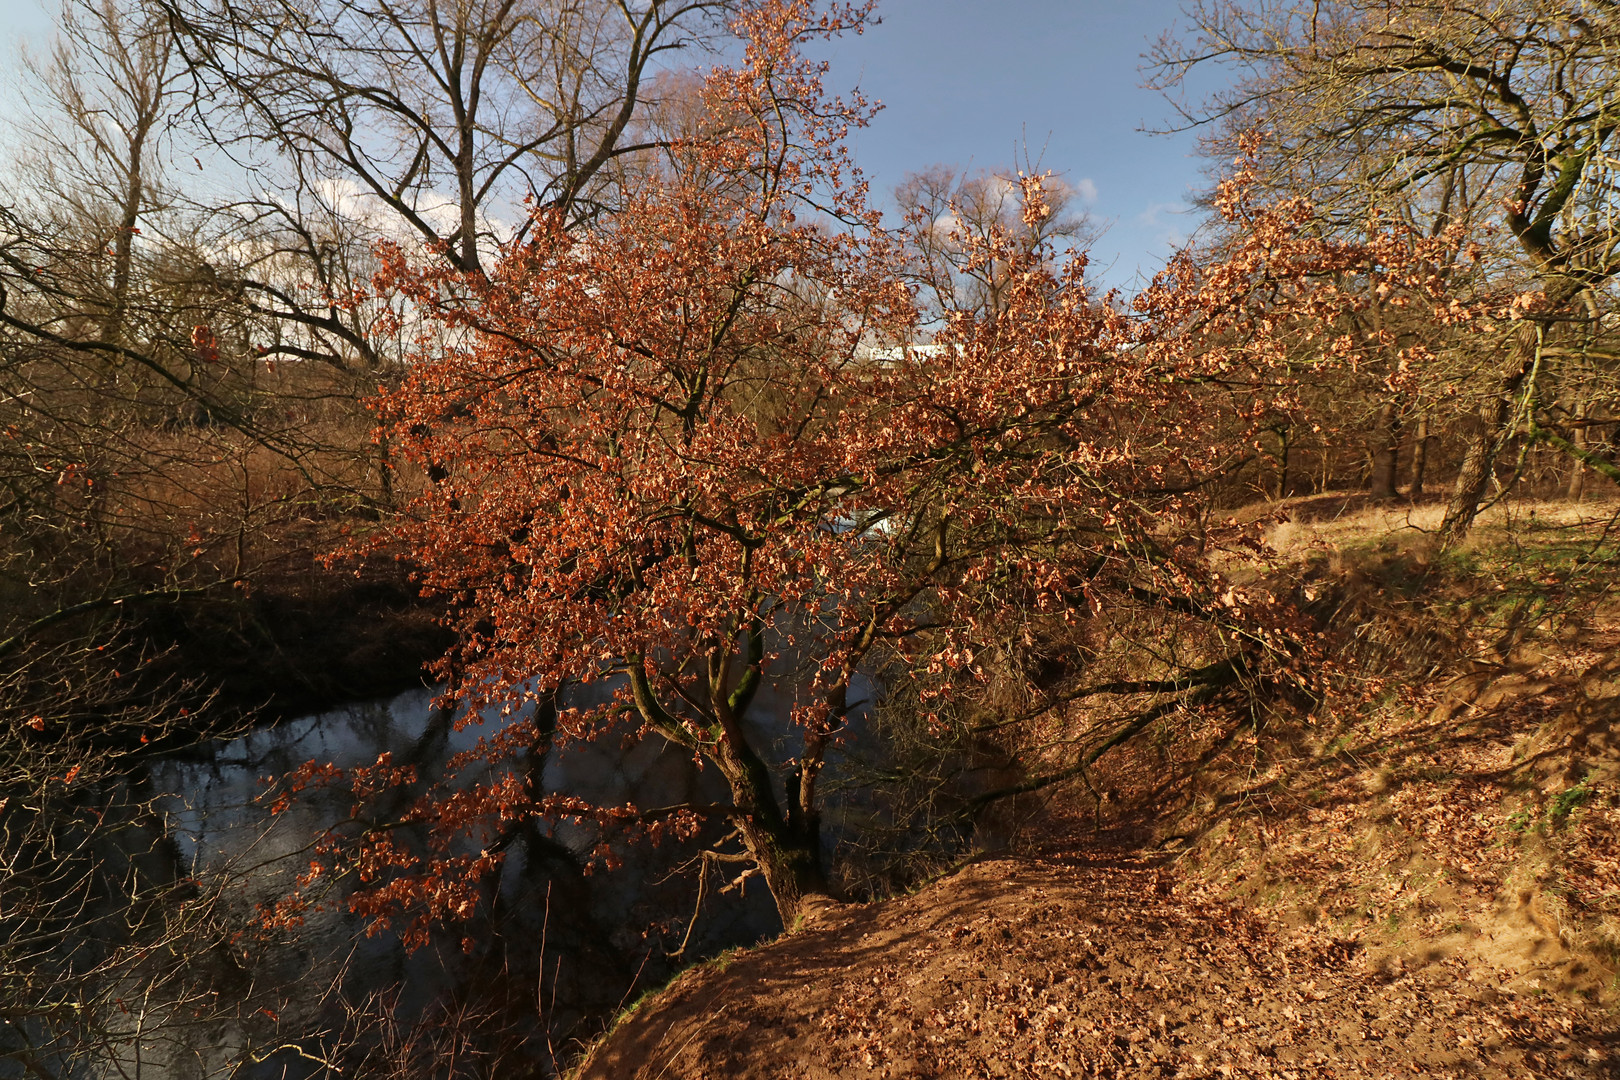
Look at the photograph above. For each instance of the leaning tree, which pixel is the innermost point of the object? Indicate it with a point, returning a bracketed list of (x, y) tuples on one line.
[(1497, 117)]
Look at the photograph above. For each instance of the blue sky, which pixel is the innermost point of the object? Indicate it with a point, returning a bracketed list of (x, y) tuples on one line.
[(970, 83), (23, 17), (21, 20)]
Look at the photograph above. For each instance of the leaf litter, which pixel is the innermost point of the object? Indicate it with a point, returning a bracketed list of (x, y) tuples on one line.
[(1104, 963)]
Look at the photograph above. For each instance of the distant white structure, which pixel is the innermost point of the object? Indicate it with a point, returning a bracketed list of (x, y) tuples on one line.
[(893, 354)]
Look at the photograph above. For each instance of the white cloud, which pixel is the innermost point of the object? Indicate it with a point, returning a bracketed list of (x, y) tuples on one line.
[(439, 209), (1160, 221), (1086, 188)]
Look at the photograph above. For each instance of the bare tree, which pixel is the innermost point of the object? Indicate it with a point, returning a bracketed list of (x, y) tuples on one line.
[(448, 115), (111, 85), (952, 217)]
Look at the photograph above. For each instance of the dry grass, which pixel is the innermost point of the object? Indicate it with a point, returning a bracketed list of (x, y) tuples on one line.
[(1458, 796), (1345, 520)]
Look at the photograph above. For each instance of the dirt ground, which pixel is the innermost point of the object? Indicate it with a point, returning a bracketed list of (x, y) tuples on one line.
[(1101, 964)]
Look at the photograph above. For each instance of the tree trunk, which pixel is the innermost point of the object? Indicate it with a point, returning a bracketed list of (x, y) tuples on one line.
[(1420, 458), (1577, 472), (785, 847), (1386, 451), (112, 326), (1282, 463), (1478, 465), (790, 860), (1486, 441)]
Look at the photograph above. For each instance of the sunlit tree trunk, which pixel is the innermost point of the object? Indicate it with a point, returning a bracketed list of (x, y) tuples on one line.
[(1386, 451), (1488, 435), (1420, 457), (1577, 472)]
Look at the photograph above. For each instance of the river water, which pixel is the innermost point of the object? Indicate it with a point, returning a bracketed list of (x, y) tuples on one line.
[(558, 944)]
